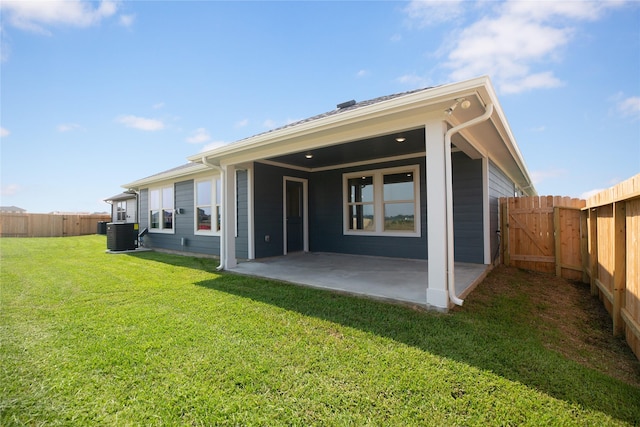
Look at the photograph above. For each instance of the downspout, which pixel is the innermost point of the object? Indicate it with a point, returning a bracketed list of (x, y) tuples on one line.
[(222, 245), (449, 191)]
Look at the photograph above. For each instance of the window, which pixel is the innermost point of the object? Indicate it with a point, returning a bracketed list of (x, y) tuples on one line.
[(161, 208), (383, 202), (121, 211), (208, 194)]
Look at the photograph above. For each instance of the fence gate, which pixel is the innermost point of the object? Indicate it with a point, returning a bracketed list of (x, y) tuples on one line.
[(543, 234)]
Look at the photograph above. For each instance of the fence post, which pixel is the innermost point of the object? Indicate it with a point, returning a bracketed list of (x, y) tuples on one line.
[(593, 249), (620, 265), (557, 240), (584, 245), (505, 231)]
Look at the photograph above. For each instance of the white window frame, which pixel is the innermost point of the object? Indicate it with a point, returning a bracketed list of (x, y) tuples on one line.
[(162, 209), (121, 211), (216, 207), (379, 202)]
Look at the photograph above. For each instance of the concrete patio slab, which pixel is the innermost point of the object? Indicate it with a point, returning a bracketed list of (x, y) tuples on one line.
[(390, 279)]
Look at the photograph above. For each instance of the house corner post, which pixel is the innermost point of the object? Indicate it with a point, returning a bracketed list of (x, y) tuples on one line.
[(437, 292), (228, 232)]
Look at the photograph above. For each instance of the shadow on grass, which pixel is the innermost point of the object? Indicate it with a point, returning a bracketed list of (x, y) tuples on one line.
[(197, 263), (497, 337)]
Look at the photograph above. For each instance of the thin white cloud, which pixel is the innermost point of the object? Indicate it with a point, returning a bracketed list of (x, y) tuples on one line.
[(141, 123), (543, 175), (269, 123), (541, 128), (242, 123), (213, 145), (4, 132), (590, 193), (127, 20), (158, 105), (630, 107), (512, 41), (10, 189), (36, 16), (66, 127), (413, 80), (424, 13), (396, 38), (199, 136), (362, 73)]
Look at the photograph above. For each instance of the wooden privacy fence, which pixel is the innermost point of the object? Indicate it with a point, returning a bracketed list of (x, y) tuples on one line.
[(542, 234), (49, 225), (612, 220)]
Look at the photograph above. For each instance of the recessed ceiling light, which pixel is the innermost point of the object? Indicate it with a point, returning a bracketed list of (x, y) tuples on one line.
[(400, 139), (309, 156)]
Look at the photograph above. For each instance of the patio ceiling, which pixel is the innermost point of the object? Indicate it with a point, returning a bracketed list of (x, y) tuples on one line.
[(379, 147)]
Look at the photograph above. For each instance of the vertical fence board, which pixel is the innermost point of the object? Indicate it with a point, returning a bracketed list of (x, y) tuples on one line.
[(632, 291), (49, 225), (614, 241)]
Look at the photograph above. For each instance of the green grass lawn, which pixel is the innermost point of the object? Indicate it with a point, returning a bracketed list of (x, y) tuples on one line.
[(90, 338)]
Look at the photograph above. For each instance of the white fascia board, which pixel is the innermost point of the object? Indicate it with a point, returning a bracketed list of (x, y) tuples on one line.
[(395, 105), (508, 137), (168, 176)]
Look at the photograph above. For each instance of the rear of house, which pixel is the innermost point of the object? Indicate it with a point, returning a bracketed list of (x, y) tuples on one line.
[(413, 175)]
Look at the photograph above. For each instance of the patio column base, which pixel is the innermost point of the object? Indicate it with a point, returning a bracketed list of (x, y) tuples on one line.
[(438, 299)]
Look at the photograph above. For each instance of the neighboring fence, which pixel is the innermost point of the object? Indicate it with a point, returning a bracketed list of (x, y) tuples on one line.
[(48, 225), (542, 234), (612, 218)]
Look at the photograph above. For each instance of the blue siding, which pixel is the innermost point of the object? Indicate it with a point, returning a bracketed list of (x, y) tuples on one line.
[(467, 208), (499, 186), (326, 218), (268, 208), (326, 213), (242, 205), (184, 225)]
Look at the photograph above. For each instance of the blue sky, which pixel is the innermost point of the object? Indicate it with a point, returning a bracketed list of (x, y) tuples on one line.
[(97, 94)]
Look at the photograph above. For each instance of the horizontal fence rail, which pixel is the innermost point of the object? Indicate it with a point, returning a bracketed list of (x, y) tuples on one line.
[(612, 219), (49, 225), (542, 234)]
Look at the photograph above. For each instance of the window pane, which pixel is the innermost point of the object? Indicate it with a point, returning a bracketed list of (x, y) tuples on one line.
[(167, 219), (167, 198), (218, 218), (204, 218), (155, 219), (361, 217), (361, 189), (154, 199), (218, 191), (398, 186), (203, 193), (399, 217)]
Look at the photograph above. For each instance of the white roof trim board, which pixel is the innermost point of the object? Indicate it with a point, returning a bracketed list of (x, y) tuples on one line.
[(387, 114)]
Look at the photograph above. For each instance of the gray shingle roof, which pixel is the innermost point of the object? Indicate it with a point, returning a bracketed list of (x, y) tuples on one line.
[(342, 110)]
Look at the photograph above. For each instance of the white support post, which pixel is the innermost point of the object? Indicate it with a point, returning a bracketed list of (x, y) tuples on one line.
[(228, 232), (437, 293), (486, 212)]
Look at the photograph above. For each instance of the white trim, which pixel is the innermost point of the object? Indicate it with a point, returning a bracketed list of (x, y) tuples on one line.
[(251, 242), (399, 104), (379, 202), (343, 165), (161, 209), (214, 212), (486, 211), (305, 213)]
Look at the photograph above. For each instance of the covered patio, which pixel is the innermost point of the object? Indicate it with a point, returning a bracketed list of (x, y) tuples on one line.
[(396, 280)]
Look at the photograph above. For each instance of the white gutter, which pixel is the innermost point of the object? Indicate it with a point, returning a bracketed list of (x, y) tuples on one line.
[(205, 162), (449, 193)]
